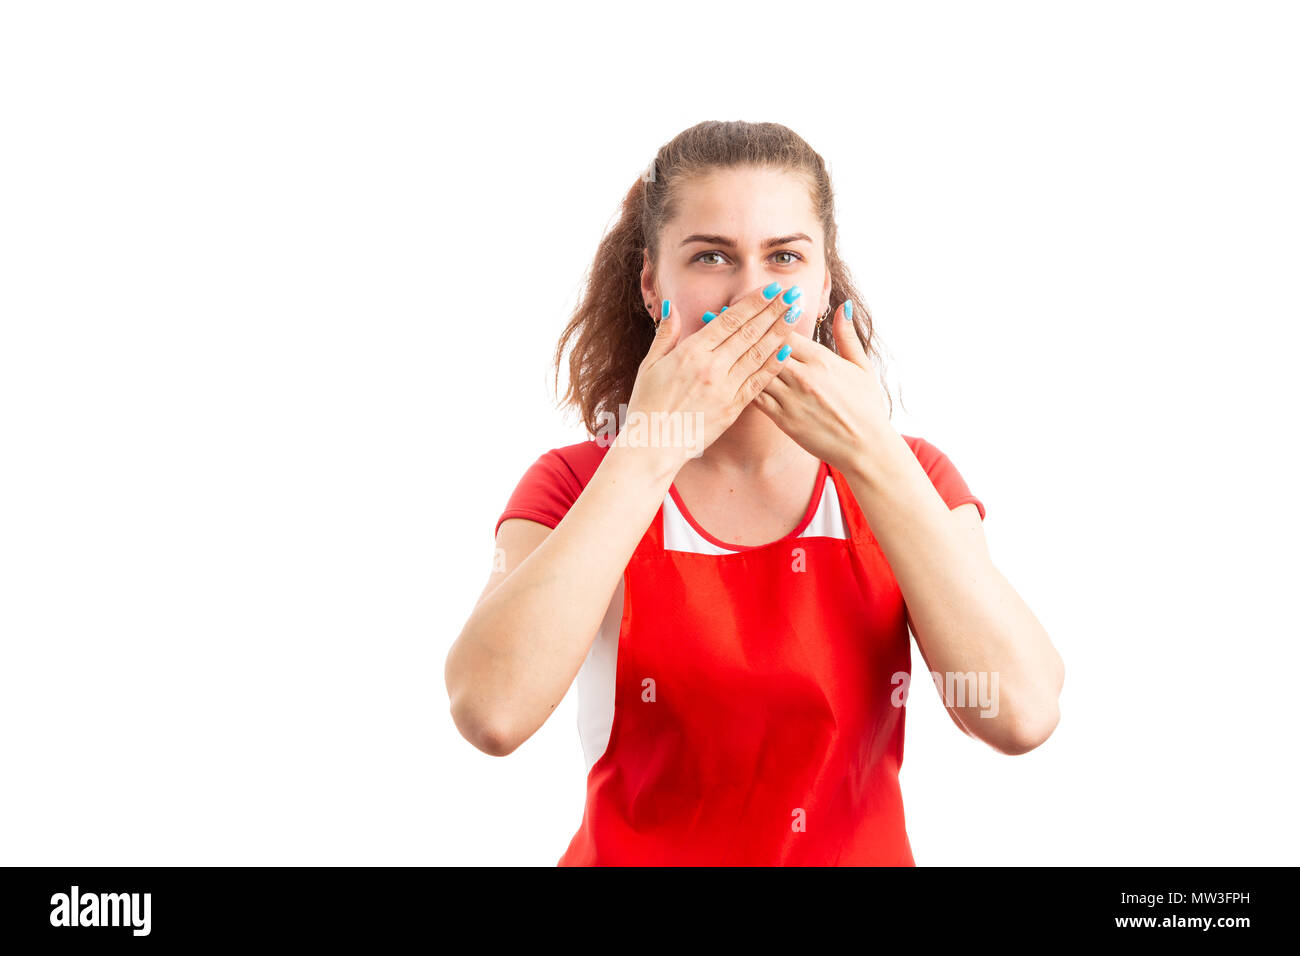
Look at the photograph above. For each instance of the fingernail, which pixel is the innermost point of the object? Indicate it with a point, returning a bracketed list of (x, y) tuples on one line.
[(785, 350), (707, 317), (793, 313), (724, 309), (772, 290), (848, 308), (663, 311), (791, 294)]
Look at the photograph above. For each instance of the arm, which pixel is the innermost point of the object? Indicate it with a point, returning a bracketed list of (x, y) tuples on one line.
[(965, 615), (532, 627)]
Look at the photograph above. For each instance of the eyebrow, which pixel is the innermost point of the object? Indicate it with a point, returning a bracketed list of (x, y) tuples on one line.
[(726, 241)]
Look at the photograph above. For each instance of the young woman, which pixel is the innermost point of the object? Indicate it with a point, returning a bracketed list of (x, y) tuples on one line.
[(735, 600)]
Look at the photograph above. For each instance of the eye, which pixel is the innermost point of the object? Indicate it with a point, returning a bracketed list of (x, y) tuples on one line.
[(783, 252)]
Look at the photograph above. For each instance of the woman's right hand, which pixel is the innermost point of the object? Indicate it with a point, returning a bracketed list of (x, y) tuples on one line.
[(535, 622), (704, 381)]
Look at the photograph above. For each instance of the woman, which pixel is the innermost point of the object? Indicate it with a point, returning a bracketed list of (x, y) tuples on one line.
[(734, 595)]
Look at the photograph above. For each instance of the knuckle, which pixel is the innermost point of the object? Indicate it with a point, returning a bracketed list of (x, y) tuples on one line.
[(732, 318)]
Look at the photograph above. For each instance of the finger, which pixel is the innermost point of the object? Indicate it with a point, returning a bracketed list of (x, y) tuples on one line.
[(740, 325), (779, 390), (847, 342), (803, 351), (665, 335), (768, 404), (777, 335), (765, 374)]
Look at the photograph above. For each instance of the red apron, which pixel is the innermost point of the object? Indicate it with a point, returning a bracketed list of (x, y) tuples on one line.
[(753, 719)]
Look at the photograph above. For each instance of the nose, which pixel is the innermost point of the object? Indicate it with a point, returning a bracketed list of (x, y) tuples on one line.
[(753, 276)]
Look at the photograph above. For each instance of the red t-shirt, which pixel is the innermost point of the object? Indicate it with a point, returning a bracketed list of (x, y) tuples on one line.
[(553, 482)]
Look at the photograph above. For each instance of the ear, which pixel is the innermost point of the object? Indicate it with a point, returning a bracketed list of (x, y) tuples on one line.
[(647, 278), (666, 337), (846, 338)]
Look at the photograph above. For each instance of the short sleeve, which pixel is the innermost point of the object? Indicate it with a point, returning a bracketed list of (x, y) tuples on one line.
[(545, 493), (944, 475)]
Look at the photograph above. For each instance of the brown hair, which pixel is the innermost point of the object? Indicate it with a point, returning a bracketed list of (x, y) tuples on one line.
[(612, 329)]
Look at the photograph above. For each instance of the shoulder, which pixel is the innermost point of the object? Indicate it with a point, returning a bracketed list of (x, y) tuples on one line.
[(553, 483), (943, 474), (926, 453), (581, 458), (571, 465)]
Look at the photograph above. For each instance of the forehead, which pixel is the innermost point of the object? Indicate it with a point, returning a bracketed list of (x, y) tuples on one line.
[(746, 201)]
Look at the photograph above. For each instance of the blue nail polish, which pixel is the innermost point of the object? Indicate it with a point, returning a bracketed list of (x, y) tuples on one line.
[(848, 309), (772, 290), (724, 309), (791, 294), (785, 350), (707, 317), (663, 311), (792, 314)]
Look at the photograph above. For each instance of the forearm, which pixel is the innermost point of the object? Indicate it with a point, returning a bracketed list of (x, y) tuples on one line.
[(965, 614), (526, 640)]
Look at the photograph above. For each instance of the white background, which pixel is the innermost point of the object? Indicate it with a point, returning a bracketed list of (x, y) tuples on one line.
[(280, 284)]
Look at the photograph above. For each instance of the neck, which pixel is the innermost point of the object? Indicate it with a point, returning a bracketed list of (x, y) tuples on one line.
[(753, 446)]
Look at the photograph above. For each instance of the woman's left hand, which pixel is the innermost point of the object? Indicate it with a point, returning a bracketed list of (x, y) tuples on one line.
[(830, 404)]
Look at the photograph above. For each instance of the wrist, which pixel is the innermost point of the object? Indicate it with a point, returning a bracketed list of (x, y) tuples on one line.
[(875, 455), (654, 466)]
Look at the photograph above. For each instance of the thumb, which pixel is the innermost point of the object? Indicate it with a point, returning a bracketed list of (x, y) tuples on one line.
[(847, 342), (666, 336)]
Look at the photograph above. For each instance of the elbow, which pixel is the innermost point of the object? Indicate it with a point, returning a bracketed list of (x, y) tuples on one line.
[(493, 742), (1031, 730), (487, 731), (1060, 673), (486, 734), (1028, 734)]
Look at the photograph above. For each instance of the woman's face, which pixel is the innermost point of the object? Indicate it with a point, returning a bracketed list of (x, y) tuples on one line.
[(723, 245)]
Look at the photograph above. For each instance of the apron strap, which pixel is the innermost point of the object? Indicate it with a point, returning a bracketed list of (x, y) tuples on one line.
[(652, 542), (859, 531)]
